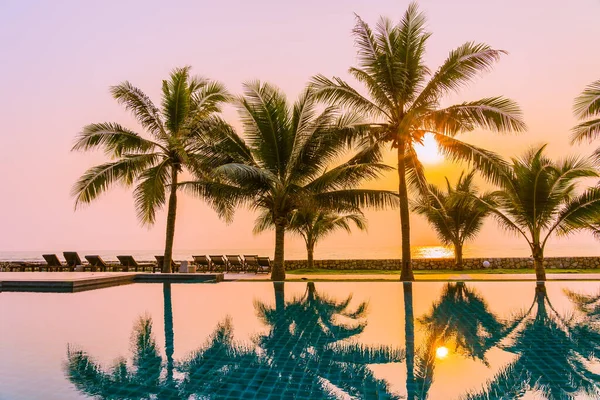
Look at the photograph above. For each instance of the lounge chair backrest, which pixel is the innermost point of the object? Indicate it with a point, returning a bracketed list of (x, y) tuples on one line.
[(234, 259), (72, 258), (264, 261), (96, 261), (219, 260), (251, 259), (127, 261), (201, 260), (52, 260)]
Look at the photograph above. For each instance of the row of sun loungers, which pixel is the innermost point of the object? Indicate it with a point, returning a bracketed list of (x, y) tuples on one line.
[(203, 263)]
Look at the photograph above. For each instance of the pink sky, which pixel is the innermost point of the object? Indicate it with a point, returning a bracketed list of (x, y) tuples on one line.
[(59, 58)]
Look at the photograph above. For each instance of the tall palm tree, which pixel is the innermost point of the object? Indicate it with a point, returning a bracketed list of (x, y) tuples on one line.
[(456, 215), (538, 198), (404, 101), (154, 163), (314, 224), (285, 162), (587, 110), (552, 356)]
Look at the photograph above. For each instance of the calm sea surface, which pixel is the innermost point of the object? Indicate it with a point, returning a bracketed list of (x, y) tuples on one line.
[(561, 249)]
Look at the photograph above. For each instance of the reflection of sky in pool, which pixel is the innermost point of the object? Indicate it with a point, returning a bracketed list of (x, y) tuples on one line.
[(338, 340)]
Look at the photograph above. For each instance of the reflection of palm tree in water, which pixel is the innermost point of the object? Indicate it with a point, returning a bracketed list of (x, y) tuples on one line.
[(460, 317), (312, 365), (552, 354), (142, 380), (307, 341)]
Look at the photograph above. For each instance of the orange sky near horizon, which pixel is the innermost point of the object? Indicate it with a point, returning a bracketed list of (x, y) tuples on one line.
[(58, 60)]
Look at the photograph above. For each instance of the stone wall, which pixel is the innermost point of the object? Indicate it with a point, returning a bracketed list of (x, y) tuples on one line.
[(448, 263)]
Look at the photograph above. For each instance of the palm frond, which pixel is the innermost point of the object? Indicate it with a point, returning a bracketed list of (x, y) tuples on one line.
[(409, 52), (149, 194), (352, 199), (265, 115), (587, 104), (209, 99), (462, 65), (415, 172), (488, 163), (497, 114), (100, 178), (587, 130), (141, 106), (338, 92), (176, 101), (221, 197), (578, 213), (114, 138), (263, 222)]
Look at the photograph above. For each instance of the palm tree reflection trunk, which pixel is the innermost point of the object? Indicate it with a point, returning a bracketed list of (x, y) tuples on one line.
[(169, 333), (409, 337)]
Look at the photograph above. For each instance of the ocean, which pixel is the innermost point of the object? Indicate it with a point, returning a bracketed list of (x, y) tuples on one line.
[(298, 253)]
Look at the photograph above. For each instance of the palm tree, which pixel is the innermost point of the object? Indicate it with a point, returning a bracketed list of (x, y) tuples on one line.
[(587, 110), (284, 162), (314, 224), (456, 215), (188, 110), (552, 355), (404, 101), (538, 199)]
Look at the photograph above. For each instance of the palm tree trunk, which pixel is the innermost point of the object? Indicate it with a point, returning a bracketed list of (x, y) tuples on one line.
[(166, 268), (310, 249), (538, 263), (278, 273), (409, 341), (458, 256), (406, 273)]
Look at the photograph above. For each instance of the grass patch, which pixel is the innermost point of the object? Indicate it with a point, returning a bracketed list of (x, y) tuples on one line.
[(438, 271)]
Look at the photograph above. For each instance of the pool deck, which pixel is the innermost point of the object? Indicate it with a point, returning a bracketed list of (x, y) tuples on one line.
[(69, 282)]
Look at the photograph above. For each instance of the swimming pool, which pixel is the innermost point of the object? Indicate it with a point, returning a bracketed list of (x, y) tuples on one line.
[(323, 340)]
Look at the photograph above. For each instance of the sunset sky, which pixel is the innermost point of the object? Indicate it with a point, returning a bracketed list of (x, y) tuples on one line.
[(59, 58)]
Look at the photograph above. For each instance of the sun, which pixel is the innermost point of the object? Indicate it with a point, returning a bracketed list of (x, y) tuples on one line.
[(441, 352), (428, 152)]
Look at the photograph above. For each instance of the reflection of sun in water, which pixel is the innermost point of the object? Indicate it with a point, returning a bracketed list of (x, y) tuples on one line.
[(433, 252), (428, 152), (441, 352)]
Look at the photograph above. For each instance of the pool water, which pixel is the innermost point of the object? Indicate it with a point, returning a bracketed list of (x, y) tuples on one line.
[(323, 340)]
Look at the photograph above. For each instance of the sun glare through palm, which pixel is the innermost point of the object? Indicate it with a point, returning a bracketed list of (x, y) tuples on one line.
[(428, 152)]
